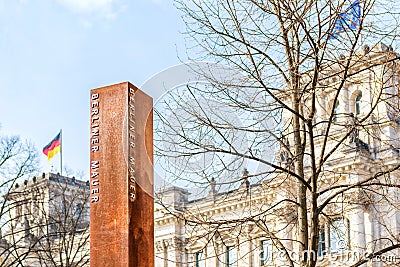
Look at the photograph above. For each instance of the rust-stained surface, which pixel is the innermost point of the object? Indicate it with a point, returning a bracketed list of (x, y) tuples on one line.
[(121, 209)]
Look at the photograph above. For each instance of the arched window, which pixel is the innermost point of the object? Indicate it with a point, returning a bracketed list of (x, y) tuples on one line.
[(357, 104)]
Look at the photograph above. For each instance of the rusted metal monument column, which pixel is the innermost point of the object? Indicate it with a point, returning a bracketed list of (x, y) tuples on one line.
[(121, 177)]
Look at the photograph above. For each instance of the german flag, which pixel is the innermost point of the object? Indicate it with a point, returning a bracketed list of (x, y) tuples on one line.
[(53, 147)]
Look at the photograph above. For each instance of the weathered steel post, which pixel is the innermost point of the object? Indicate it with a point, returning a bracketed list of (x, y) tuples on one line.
[(121, 177)]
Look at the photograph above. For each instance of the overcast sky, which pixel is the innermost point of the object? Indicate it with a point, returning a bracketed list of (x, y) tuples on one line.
[(52, 52)]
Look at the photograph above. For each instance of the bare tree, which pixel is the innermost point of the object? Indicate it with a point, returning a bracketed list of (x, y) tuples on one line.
[(18, 160), (49, 222), (312, 110)]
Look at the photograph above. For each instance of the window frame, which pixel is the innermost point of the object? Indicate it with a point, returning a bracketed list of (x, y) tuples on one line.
[(230, 261), (345, 234), (335, 110), (337, 229), (264, 261), (322, 242), (199, 259), (357, 104), (328, 240)]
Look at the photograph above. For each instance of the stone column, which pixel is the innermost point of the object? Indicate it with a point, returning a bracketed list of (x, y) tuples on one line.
[(357, 230)]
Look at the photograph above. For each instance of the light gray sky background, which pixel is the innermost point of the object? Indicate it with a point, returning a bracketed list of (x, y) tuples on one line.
[(52, 52)]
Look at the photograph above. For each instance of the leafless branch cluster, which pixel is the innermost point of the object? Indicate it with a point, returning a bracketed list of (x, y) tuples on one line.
[(312, 114)]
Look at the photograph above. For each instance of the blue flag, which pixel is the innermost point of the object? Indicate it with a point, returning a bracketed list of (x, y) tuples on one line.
[(349, 19)]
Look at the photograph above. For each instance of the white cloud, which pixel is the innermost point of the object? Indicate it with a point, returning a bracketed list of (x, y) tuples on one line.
[(104, 7)]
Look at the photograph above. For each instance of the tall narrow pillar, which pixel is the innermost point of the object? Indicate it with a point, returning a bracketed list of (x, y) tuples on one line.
[(121, 177)]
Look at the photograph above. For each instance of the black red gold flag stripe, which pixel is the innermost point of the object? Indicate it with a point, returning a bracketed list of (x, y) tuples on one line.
[(53, 147)]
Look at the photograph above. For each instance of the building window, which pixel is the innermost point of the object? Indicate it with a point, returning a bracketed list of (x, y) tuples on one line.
[(321, 242), (19, 210), (334, 237), (231, 256), (338, 235), (335, 111), (78, 211), (266, 252), (358, 104), (200, 262), (63, 209)]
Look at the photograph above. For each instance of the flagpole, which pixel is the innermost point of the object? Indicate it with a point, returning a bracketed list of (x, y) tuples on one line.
[(61, 149)]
